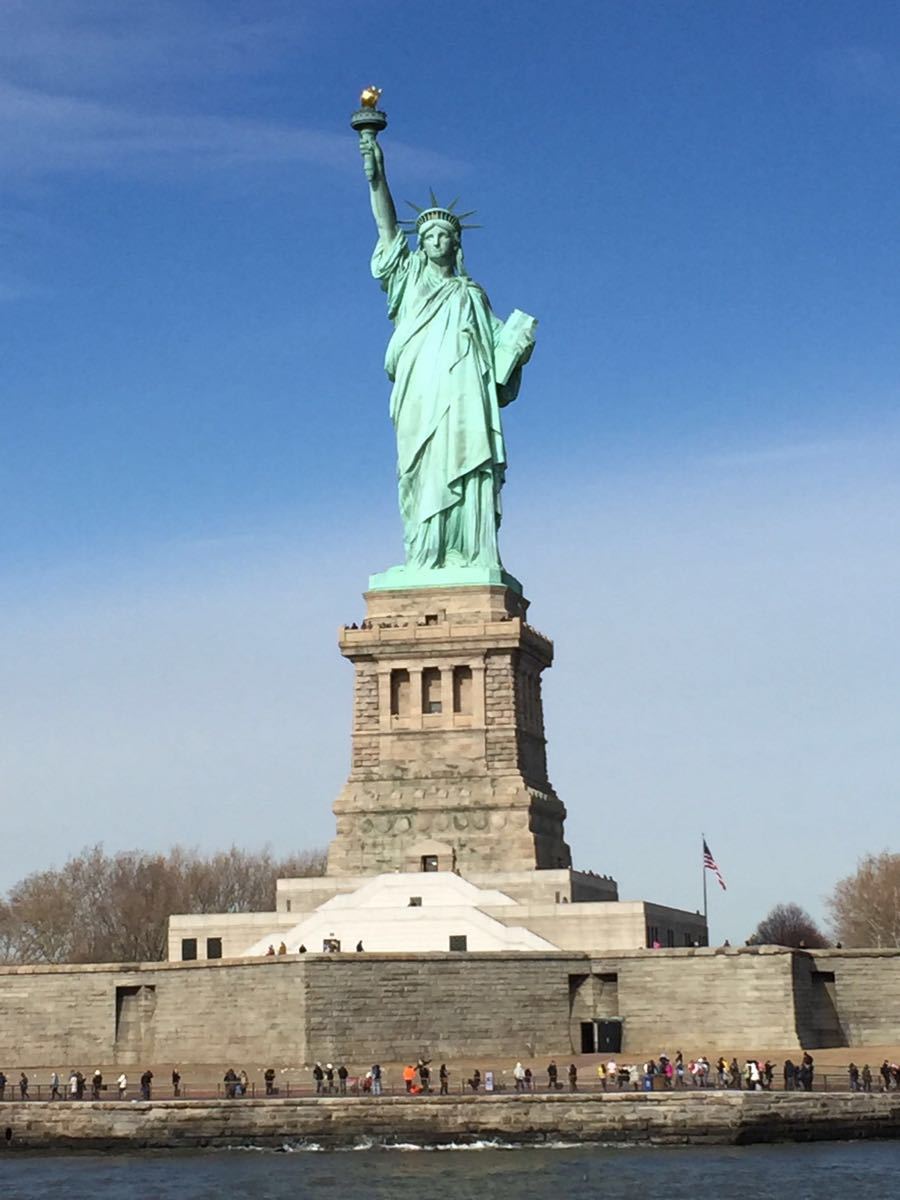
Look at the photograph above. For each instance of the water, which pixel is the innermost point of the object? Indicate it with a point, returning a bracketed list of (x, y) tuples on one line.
[(859, 1169)]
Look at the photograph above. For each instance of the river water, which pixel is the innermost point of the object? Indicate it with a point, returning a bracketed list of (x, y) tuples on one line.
[(859, 1169)]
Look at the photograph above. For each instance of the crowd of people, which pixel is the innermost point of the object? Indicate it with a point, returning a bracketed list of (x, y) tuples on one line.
[(661, 1073), (78, 1086), (676, 1073), (861, 1079)]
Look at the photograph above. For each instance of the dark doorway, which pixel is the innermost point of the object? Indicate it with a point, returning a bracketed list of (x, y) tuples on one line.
[(588, 1037), (609, 1037)]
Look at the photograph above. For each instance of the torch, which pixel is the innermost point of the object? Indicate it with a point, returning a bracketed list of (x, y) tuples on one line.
[(368, 122)]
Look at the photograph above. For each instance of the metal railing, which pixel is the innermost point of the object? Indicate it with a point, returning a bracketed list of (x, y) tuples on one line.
[(824, 1081)]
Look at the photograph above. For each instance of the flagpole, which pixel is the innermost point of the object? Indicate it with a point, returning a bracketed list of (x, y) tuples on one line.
[(703, 860)]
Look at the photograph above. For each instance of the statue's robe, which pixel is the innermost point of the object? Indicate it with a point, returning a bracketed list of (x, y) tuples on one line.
[(445, 406)]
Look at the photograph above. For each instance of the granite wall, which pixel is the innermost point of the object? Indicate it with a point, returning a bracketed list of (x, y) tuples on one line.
[(462, 1006), (714, 1118)]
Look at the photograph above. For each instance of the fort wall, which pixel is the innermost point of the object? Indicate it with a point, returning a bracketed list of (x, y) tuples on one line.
[(367, 1007)]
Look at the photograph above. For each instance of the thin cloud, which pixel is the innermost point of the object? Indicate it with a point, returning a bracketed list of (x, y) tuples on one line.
[(124, 87), (43, 133), (94, 45), (46, 134), (785, 452)]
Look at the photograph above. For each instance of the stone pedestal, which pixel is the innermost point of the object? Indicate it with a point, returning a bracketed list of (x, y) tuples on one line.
[(449, 768)]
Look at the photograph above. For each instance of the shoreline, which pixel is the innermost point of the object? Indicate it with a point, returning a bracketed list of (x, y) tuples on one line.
[(672, 1119)]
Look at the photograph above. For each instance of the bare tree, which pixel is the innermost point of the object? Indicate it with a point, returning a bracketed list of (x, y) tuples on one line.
[(115, 908), (8, 936), (789, 925), (865, 907)]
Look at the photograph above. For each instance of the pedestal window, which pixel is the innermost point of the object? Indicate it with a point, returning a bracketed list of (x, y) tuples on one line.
[(399, 693), (431, 690), (462, 690)]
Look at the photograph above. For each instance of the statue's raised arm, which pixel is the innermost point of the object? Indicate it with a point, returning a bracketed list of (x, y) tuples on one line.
[(382, 201), (368, 121)]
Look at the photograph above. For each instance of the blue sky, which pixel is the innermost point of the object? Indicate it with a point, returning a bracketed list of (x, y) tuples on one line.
[(699, 202)]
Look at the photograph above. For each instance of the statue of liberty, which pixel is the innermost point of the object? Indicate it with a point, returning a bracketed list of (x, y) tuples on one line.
[(453, 365)]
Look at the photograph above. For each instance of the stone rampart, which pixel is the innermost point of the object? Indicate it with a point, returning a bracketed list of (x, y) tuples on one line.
[(714, 1118), (852, 997), (701, 997), (365, 1007), (463, 1006)]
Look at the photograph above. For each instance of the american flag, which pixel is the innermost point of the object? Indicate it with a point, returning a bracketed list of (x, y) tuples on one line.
[(710, 864)]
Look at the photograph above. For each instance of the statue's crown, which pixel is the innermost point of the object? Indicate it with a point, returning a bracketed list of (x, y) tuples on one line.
[(439, 212)]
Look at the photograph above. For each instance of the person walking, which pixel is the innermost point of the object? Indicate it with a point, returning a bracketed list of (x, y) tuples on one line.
[(552, 1075), (319, 1077), (96, 1084), (269, 1079), (176, 1082), (519, 1077), (54, 1085), (424, 1074), (122, 1085), (807, 1071), (376, 1079), (444, 1077), (23, 1086), (342, 1074), (573, 1078), (147, 1084)]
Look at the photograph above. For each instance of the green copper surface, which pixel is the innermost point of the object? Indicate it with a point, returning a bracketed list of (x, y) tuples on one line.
[(453, 365), (435, 577)]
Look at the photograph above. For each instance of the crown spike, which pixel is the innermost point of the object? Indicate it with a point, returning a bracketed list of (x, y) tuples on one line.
[(439, 212)]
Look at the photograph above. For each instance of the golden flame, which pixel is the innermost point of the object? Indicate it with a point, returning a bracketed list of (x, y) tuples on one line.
[(370, 96)]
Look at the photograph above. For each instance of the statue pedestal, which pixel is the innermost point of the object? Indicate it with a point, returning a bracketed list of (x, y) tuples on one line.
[(395, 578), (449, 766)]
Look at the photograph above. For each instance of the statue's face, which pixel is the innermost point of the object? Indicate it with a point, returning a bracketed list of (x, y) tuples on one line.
[(439, 244)]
